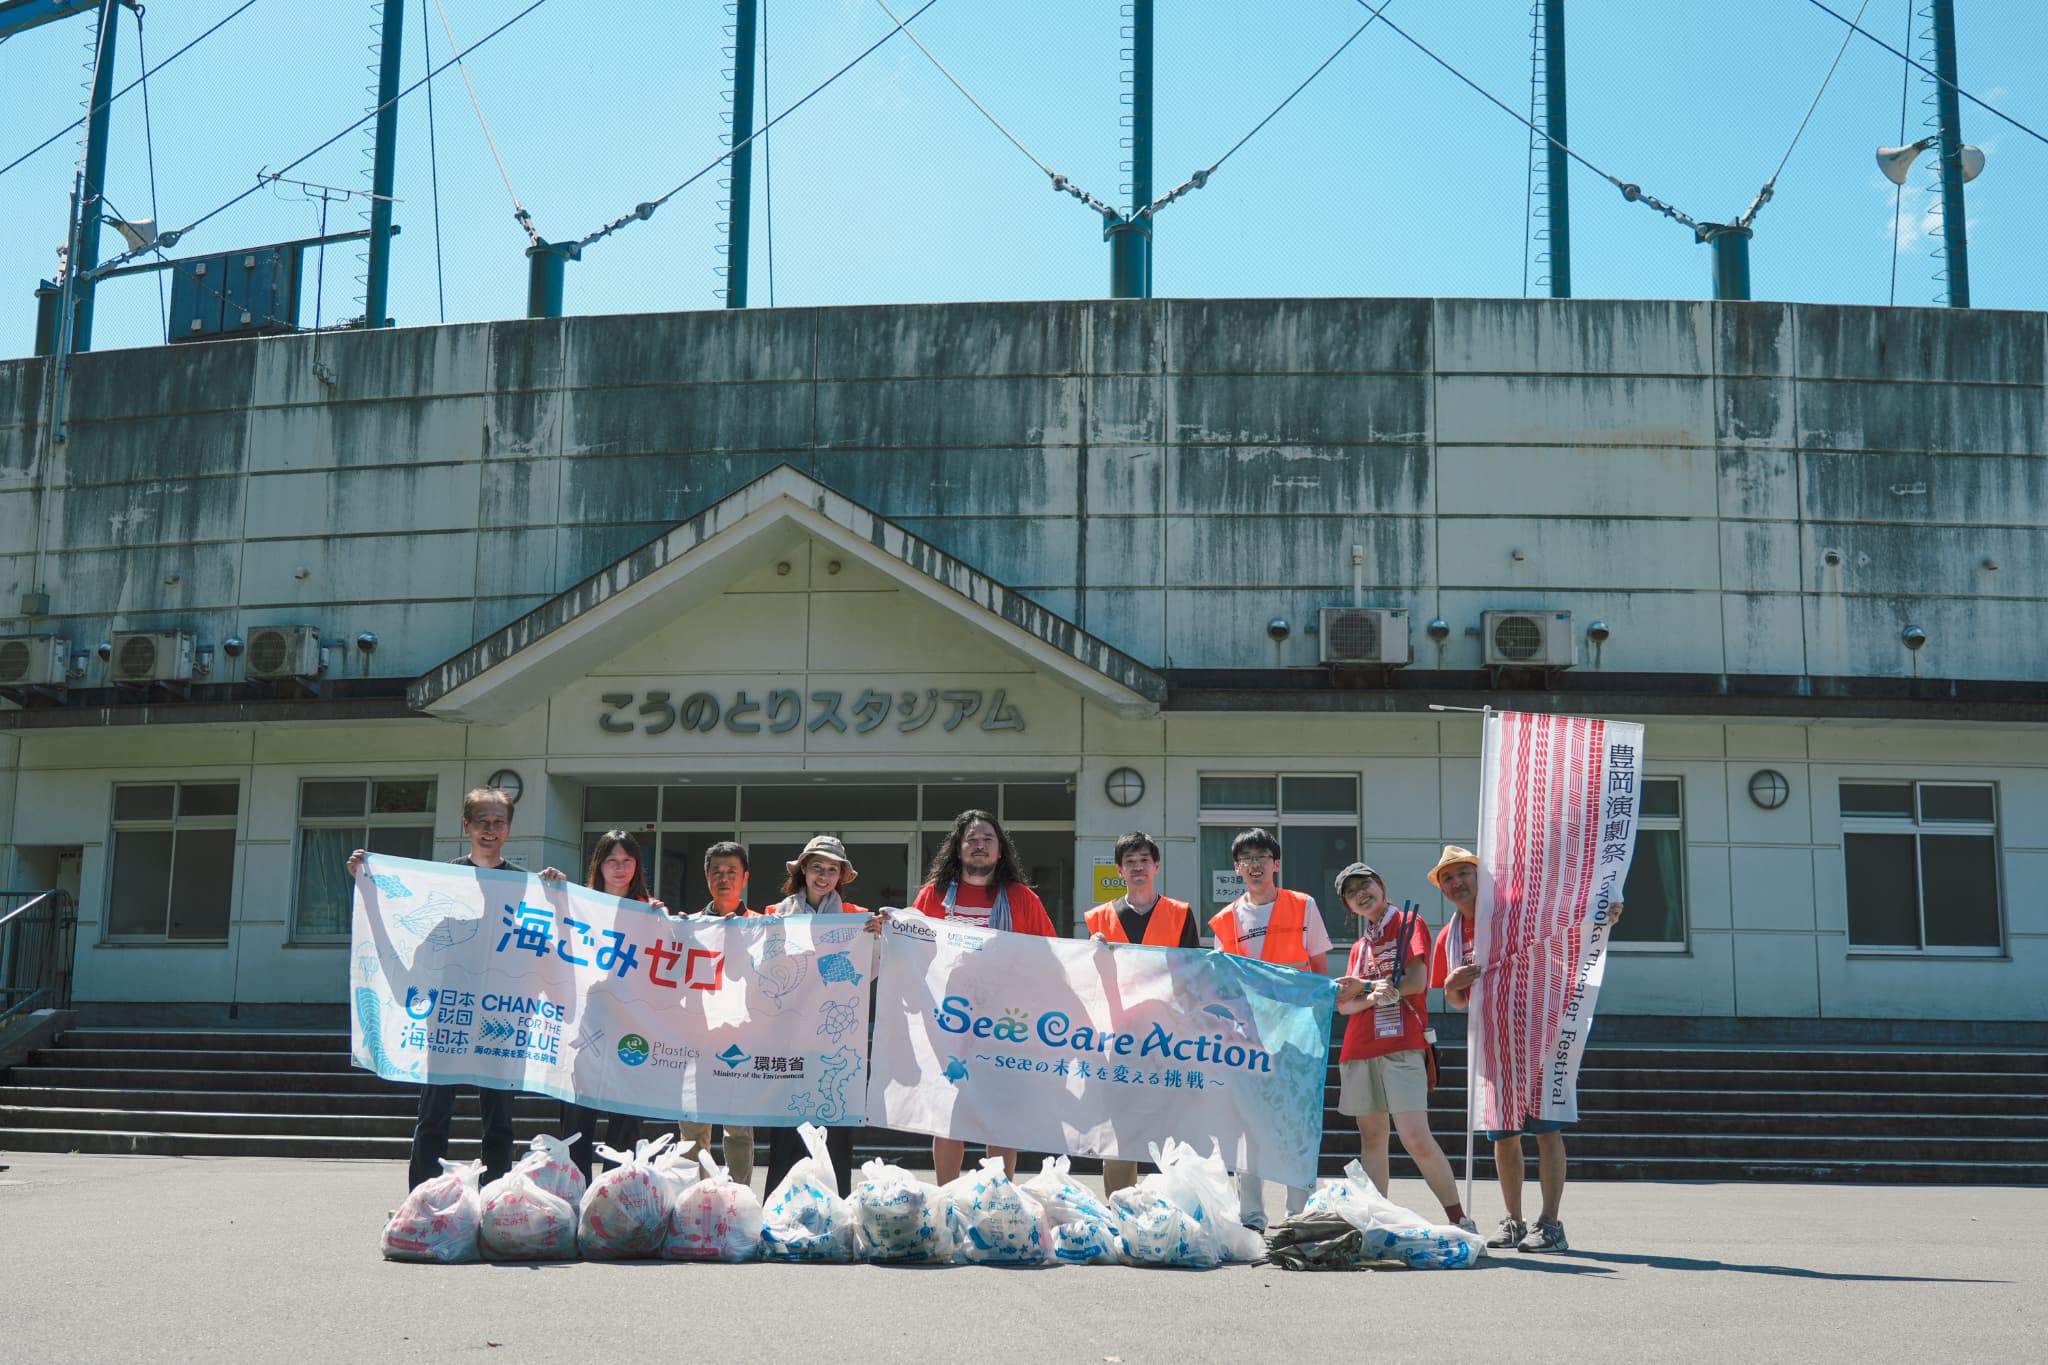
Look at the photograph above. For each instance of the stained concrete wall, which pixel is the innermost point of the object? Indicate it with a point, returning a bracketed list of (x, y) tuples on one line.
[(1741, 488)]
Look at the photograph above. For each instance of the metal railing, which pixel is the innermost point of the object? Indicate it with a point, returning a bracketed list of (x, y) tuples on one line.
[(36, 932)]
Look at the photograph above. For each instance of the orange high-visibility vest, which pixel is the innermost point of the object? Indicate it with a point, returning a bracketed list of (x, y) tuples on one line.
[(1285, 945), (1169, 917)]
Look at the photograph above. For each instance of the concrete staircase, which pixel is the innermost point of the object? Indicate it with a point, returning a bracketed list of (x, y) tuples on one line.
[(1810, 1112)]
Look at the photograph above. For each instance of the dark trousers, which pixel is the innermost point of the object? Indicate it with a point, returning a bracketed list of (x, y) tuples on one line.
[(621, 1131), (430, 1133), (785, 1149)]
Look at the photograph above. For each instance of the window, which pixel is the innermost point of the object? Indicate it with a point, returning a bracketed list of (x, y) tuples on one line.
[(1655, 918), (338, 816), (1316, 820), (173, 852), (1922, 864)]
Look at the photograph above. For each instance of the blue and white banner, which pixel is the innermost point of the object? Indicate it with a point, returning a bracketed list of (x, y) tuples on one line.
[(1063, 1046), (493, 977)]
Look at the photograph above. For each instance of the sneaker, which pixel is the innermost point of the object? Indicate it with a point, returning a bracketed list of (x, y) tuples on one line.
[(1512, 1231), (1466, 1224), (1545, 1236)]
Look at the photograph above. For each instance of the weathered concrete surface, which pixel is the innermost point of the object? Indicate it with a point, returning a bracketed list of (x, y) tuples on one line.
[(1680, 470), (152, 1259)]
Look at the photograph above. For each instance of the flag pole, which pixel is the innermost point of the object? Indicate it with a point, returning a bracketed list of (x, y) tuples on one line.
[(1472, 1001)]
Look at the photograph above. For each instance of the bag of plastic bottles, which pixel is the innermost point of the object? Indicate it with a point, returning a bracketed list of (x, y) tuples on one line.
[(714, 1218), (994, 1221), (805, 1219), (1393, 1233), (625, 1212), (548, 1162), (523, 1222), (1083, 1227), (438, 1220), (898, 1217)]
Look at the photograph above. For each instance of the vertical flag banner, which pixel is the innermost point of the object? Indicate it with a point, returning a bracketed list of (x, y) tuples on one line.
[(1064, 1046), (1557, 829), (493, 977)]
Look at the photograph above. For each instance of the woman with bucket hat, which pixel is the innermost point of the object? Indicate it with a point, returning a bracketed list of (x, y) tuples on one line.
[(816, 881), (1382, 1072)]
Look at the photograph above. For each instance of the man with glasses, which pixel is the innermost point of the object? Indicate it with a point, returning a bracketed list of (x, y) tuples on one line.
[(487, 822), (1278, 926), (976, 878)]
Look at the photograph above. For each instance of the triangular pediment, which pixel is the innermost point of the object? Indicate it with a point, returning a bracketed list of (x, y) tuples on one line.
[(508, 672)]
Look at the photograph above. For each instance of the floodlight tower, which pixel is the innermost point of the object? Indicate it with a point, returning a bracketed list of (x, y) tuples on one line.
[(1130, 235)]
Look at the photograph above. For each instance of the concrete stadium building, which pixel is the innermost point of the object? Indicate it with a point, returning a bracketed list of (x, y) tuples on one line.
[(1179, 565)]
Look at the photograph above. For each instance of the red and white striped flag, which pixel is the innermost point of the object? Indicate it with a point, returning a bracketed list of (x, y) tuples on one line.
[(1557, 828)]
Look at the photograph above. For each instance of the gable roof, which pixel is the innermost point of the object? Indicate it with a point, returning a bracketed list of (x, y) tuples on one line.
[(513, 669)]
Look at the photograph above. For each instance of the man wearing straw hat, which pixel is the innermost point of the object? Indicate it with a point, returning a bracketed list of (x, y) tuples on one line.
[(1456, 875)]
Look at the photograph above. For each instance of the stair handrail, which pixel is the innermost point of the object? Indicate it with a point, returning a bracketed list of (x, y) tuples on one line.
[(40, 973)]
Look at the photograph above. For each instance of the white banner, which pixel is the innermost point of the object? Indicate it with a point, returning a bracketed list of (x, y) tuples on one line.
[(1064, 1046), (493, 977), (1557, 830)]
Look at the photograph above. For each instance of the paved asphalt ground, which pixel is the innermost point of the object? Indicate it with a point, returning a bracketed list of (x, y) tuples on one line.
[(134, 1259)]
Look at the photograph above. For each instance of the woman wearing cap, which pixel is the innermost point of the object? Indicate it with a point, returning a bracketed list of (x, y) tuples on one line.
[(1381, 1072), (817, 877)]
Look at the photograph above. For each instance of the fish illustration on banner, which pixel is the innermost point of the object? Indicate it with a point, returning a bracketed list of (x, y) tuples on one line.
[(491, 977)]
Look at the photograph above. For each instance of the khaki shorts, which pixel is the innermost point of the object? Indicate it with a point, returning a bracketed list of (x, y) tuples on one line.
[(1394, 1084)]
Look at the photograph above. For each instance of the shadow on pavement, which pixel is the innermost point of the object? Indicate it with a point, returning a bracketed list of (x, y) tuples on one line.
[(1796, 1272)]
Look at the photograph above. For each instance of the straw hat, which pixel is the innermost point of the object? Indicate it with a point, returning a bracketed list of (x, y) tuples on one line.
[(1452, 856), (825, 846)]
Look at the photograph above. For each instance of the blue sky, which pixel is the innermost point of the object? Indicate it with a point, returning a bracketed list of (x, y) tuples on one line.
[(1385, 177)]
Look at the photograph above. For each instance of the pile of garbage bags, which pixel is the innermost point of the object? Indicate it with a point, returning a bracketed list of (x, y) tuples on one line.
[(657, 1202)]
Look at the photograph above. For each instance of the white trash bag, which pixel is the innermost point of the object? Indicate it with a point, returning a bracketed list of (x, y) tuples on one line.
[(994, 1221), (1393, 1233), (1153, 1230), (714, 1218), (1083, 1227), (1202, 1186), (438, 1220), (625, 1212), (898, 1217), (547, 1160), (805, 1219), (523, 1222)]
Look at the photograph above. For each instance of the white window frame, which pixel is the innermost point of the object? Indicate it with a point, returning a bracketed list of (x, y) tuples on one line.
[(1919, 826), (367, 821), (174, 823), (1683, 943)]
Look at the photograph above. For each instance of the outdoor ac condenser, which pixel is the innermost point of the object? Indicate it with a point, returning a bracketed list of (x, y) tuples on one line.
[(1370, 637), (284, 652), (151, 656), (33, 660), (1529, 639)]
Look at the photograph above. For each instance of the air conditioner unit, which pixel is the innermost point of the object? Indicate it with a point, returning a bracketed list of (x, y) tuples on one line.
[(284, 652), (151, 656), (1372, 637), (33, 660), (1529, 639)]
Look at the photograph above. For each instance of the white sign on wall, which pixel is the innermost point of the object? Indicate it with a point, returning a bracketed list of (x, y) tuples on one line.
[(1225, 886)]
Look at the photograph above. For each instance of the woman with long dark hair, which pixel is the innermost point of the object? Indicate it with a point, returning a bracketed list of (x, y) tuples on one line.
[(975, 878), (616, 869)]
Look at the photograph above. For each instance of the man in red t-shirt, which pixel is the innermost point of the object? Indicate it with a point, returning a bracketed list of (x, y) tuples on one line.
[(975, 879), (1381, 1071)]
